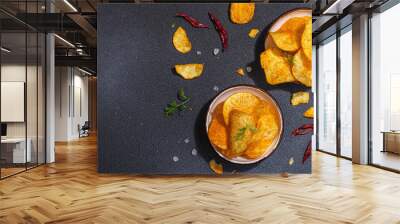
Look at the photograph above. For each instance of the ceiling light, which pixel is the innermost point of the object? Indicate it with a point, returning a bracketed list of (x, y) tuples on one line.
[(65, 41), (70, 5), (5, 50), (84, 71)]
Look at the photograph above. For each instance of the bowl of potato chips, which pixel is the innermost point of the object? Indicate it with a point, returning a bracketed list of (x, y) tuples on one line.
[(288, 49), (244, 124)]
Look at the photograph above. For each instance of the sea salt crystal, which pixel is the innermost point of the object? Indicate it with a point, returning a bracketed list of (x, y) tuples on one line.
[(173, 25), (187, 140), (249, 69), (194, 152), (175, 158), (215, 51), (216, 88), (291, 161), (198, 52)]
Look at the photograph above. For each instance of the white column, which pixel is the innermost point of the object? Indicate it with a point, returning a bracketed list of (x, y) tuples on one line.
[(50, 93), (360, 90)]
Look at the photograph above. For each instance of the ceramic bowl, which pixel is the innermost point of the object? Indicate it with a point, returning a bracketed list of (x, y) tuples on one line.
[(263, 95), (276, 25)]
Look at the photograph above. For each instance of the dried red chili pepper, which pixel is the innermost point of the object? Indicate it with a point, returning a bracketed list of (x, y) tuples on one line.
[(194, 22), (303, 130), (307, 153), (223, 34)]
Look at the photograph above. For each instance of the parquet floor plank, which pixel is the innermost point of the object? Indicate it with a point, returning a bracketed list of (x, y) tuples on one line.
[(71, 191)]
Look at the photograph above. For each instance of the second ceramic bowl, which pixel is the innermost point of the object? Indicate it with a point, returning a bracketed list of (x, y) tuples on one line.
[(263, 95)]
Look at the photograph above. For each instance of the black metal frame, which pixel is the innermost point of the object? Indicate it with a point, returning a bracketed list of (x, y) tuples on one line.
[(338, 98), (316, 96), (369, 126), (44, 72)]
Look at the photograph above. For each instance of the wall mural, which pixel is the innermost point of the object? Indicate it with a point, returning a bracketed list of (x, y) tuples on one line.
[(200, 88)]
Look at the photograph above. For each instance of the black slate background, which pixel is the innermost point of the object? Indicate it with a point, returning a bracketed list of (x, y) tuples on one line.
[(136, 81)]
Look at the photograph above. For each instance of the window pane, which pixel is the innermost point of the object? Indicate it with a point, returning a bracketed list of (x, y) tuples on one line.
[(346, 94), (385, 89), (327, 96)]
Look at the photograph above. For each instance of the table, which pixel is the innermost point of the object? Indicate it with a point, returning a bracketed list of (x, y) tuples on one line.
[(136, 82), (16, 147), (391, 141)]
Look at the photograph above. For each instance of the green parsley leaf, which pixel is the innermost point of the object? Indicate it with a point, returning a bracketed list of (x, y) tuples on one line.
[(174, 106), (181, 95), (240, 134)]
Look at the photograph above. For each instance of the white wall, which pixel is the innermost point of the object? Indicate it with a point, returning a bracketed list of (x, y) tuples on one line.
[(62, 82), (80, 112), (16, 73), (70, 84), (10, 73)]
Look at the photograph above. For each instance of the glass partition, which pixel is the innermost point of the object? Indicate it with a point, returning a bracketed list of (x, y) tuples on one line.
[(22, 88), (14, 155)]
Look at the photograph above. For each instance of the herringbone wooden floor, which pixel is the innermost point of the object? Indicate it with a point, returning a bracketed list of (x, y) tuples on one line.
[(71, 191)]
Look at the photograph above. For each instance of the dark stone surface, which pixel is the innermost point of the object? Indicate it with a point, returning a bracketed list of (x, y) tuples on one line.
[(135, 82)]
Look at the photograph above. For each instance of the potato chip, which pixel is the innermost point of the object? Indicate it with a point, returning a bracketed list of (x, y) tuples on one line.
[(244, 102), (309, 113), (300, 98), (240, 71), (217, 168), (264, 136), (295, 24), (217, 131), (302, 69), (288, 37), (181, 41), (306, 40), (256, 149), (189, 71), (262, 108), (226, 153), (285, 40), (276, 67), (253, 33), (242, 13), (267, 127), (242, 126), (285, 174)]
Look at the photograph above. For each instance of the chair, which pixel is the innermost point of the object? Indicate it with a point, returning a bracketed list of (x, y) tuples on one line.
[(84, 130)]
